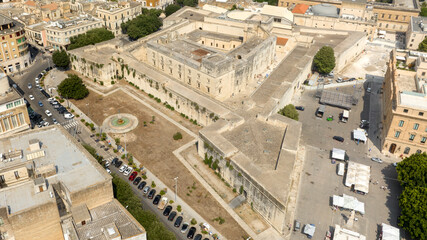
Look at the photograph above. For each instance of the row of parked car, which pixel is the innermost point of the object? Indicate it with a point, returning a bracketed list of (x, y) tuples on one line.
[(158, 200)]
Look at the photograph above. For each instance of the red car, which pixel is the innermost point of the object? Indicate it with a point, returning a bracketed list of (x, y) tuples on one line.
[(133, 176)]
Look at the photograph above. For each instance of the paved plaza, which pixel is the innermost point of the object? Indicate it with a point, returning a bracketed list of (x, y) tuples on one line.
[(319, 178)]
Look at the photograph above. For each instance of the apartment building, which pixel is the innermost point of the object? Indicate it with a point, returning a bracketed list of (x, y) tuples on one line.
[(59, 33), (159, 4), (352, 16), (36, 34), (389, 17), (52, 189), (114, 14), (14, 53), (416, 33), (13, 110), (405, 108)]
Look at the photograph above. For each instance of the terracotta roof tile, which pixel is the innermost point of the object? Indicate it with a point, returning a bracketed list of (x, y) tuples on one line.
[(281, 41), (30, 3), (51, 7), (300, 8)]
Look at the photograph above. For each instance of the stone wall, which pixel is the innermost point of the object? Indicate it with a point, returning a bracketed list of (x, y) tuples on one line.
[(93, 196)]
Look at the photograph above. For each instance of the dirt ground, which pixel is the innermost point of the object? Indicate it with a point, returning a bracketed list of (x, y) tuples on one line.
[(153, 146)]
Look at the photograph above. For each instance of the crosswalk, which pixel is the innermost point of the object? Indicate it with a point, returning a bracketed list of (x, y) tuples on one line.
[(70, 124)]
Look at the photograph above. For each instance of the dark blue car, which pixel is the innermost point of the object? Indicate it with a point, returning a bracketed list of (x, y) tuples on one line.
[(40, 104)]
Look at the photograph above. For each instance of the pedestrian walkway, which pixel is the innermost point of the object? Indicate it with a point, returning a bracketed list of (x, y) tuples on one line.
[(70, 124)]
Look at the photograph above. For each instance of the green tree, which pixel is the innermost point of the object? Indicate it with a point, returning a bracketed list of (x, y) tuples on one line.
[(124, 194), (423, 45), (91, 37), (423, 11), (324, 60), (73, 87), (412, 171), (142, 25), (170, 9), (61, 59), (289, 111), (412, 175), (177, 136)]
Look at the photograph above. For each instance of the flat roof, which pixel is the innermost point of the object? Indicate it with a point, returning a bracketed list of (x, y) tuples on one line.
[(419, 24), (406, 81), (74, 166), (106, 220)]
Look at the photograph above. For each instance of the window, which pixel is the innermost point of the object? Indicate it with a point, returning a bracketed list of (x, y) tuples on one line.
[(419, 151), (423, 139), (21, 118), (9, 105), (397, 17), (424, 73), (412, 40), (397, 134), (407, 149), (405, 110), (6, 124), (14, 122), (16, 174), (411, 137), (420, 114), (416, 125), (401, 122), (17, 103), (2, 180), (209, 90), (198, 84)]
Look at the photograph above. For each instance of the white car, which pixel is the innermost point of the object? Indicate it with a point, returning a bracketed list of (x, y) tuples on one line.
[(107, 163), (127, 171), (48, 113), (37, 80), (46, 124), (31, 97), (123, 168), (68, 115), (50, 99), (108, 170)]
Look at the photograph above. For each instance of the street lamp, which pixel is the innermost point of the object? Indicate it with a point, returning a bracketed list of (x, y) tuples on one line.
[(176, 186)]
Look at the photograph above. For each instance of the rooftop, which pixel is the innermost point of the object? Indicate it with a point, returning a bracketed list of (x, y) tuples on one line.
[(300, 8), (51, 6), (17, 26), (71, 161), (326, 10), (418, 24), (355, 1), (63, 24), (405, 80), (109, 221)]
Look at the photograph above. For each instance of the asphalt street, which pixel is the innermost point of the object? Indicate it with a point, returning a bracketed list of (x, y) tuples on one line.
[(28, 76)]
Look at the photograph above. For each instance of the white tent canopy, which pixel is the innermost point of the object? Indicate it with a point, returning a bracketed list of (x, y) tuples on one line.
[(338, 154), (341, 169), (360, 135), (345, 234), (348, 202), (390, 232), (358, 175)]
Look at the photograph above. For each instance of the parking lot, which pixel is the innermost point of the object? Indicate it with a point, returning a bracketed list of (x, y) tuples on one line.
[(319, 178)]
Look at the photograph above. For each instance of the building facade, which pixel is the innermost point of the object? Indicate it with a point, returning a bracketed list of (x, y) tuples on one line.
[(416, 33), (36, 34), (115, 14), (404, 109), (14, 55), (388, 17), (13, 110), (159, 4), (59, 33)]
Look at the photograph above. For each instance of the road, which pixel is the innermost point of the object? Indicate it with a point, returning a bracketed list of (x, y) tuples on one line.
[(28, 76)]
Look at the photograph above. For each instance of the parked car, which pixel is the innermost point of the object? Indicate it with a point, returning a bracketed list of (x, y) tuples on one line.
[(297, 226), (378, 160), (301, 108), (368, 90), (114, 161), (142, 185), (31, 97), (167, 210), (338, 138), (40, 104), (151, 194), (119, 163), (178, 222), (339, 79), (172, 216), (364, 124), (198, 237), (184, 227), (68, 115), (145, 190), (127, 171), (123, 168), (157, 199), (37, 79), (137, 180), (48, 113), (107, 163), (30, 85), (108, 170), (133, 176), (56, 122), (191, 233)]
